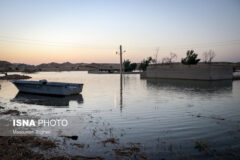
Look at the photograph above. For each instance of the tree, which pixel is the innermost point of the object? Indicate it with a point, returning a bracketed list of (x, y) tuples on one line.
[(128, 66), (173, 57), (155, 59), (205, 57), (143, 65), (208, 56), (168, 60), (133, 66), (191, 58)]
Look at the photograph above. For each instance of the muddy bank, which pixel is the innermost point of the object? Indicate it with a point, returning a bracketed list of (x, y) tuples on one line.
[(14, 77), (12, 148)]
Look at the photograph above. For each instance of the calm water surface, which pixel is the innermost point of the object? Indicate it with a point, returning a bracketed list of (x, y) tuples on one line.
[(167, 117)]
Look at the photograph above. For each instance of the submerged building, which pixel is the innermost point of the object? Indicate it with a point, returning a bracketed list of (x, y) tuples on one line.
[(201, 71)]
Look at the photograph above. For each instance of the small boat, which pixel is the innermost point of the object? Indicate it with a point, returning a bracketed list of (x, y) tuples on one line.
[(48, 88)]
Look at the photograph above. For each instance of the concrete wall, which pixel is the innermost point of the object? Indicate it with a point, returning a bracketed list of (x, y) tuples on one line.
[(194, 72)]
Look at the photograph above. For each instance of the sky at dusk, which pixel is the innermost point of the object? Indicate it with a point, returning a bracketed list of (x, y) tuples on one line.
[(42, 31)]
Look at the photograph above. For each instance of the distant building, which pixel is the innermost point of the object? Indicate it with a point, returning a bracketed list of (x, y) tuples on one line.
[(106, 68)]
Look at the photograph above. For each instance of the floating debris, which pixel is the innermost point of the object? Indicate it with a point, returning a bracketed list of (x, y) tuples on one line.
[(134, 149), (79, 145), (217, 117), (121, 152), (12, 112), (58, 158), (71, 137), (201, 146), (143, 157), (110, 140), (210, 117), (86, 157)]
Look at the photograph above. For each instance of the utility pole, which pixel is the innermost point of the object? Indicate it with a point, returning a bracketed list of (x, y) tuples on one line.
[(120, 58)]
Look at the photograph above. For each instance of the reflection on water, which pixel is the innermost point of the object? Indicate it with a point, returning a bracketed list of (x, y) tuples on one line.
[(121, 93), (57, 101), (166, 116), (191, 85)]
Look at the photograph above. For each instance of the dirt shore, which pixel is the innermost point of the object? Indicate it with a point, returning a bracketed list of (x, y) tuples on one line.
[(14, 148)]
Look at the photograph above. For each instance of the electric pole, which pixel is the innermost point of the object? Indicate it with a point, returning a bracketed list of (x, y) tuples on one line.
[(120, 59)]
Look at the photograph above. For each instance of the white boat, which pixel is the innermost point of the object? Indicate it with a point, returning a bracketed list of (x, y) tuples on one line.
[(48, 88)]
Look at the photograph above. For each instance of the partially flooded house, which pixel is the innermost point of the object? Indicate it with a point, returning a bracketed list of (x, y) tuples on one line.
[(201, 71)]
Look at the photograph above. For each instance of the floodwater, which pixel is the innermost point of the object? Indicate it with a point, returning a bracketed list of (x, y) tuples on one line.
[(167, 119)]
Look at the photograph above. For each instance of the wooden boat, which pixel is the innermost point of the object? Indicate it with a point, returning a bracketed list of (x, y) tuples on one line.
[(48, 88)]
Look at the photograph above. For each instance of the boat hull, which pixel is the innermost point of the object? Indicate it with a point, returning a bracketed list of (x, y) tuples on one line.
[(49, 88)]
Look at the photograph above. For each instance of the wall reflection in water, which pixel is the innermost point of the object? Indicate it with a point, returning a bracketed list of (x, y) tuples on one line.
[(56, 101), (190, 85)]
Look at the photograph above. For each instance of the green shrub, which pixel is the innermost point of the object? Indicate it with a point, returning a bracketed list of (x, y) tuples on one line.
[(128, 66), (191, 58), (143, 65)]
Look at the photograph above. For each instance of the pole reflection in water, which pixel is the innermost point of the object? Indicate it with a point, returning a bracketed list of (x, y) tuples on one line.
[(121, 93)]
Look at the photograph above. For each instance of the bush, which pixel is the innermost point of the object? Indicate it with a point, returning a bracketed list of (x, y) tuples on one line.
[(128, 66), (143, 65), (191, 58)]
